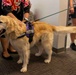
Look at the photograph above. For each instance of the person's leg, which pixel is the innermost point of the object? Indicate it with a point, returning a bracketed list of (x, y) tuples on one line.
[(11, 49), (73, 36), (7, 48), (5, 53)]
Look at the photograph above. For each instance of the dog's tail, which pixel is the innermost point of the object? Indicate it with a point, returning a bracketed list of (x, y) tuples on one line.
[(65, 29)]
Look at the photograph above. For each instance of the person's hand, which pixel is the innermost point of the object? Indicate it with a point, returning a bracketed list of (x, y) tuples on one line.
[(72, 10)]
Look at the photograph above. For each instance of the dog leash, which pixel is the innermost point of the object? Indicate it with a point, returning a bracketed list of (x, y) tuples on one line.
[(51, 15)]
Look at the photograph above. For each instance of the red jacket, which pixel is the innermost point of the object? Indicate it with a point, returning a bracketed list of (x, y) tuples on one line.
[(15, 3)]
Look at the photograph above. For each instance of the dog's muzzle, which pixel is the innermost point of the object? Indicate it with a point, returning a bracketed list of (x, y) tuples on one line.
[(2, 32), (2, 28)]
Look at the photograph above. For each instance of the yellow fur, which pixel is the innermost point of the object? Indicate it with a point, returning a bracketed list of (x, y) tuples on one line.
[(43, 38)]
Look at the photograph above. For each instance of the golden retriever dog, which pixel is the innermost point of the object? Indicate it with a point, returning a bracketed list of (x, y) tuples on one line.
[(43, 38)]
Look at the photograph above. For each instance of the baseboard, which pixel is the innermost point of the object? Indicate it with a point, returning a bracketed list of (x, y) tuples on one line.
[(59, 50)]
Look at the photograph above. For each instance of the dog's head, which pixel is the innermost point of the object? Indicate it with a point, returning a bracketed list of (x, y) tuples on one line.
[(4, 25), (11, 26)]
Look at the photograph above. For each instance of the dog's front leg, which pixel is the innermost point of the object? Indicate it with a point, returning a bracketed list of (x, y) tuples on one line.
[(25, 61), (20, 57), (26, 55)]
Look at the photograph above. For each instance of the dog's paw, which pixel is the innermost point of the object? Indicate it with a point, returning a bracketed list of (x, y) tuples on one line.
[(37, 54), (47, 61), (24, 69), (19, 61)]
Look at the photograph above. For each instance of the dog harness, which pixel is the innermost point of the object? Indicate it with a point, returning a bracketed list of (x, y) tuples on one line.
[(29, 31)]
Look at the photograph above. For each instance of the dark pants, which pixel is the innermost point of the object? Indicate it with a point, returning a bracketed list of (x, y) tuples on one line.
[(74, 14)]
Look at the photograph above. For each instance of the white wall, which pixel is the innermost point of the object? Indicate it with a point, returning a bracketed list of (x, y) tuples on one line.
[(42, 8)]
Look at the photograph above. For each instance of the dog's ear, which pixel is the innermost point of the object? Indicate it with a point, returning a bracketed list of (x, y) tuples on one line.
[(10, 25), (19, 29), (9, 30)]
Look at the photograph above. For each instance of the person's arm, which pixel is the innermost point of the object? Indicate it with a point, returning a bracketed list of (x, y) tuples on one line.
[(71, 3), (18, 21), (71, 6), (11, 15), (27, 6)]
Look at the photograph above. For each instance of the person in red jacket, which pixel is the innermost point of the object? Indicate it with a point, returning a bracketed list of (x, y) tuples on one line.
[(18, 9)]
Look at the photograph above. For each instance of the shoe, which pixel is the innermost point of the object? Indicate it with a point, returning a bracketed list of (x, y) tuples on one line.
[(73, 46), (11, 52), (7, 58)]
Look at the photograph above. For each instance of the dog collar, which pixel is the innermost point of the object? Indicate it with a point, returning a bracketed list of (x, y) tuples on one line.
[(29, 32)]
